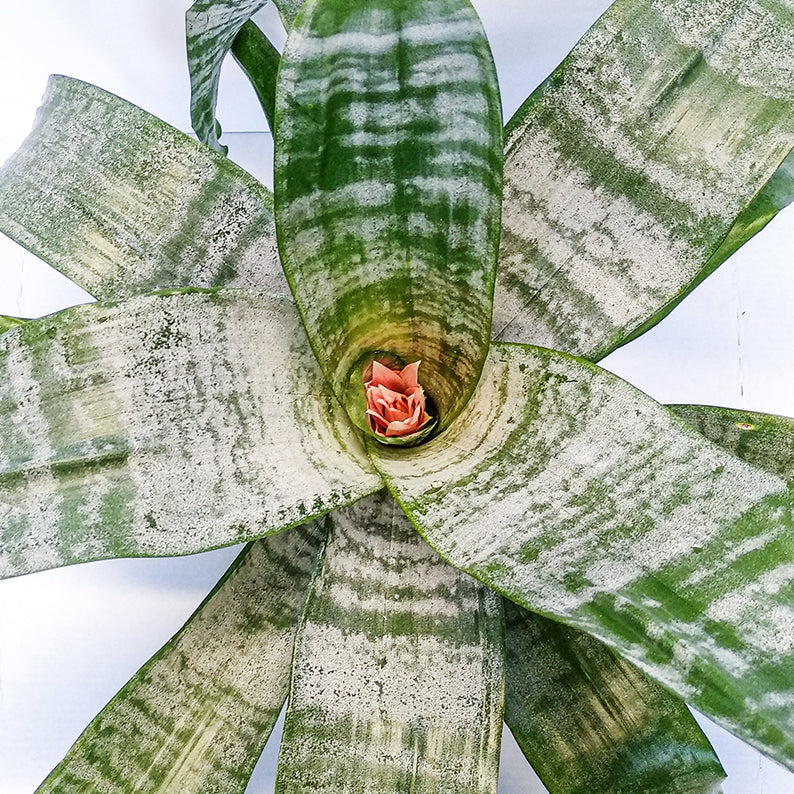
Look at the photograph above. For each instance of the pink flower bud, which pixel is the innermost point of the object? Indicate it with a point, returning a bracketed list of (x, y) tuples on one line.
[(395, 400)]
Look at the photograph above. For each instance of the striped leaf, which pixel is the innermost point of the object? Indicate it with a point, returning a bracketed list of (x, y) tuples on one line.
[(589, 722), (169, 424), (398, 681), (579, 497), (649, 155), (194, 719), (259, 59), (388, 184), (123, 204), (764, 440), (211, 26)]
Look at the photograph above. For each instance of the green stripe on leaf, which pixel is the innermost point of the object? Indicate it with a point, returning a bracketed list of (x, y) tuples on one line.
[(156, 428), (195, 717), (141, 209), (579, 497), (388, 229), (398, 675)]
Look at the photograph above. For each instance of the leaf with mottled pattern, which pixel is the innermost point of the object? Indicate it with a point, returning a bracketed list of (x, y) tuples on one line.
[(764, 440), (194, 719), (388, 231), (398, 675), (211, 26), (123, 204), (168, 424), (589, 722), (579, 497), (648, 156)]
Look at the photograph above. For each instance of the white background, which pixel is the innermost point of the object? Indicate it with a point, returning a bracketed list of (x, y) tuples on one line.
[(69, 639)]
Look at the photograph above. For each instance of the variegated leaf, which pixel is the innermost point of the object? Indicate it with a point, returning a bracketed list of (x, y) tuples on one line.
[(579, 497), (259, 59), (123, 203), (211, 26), (388, 230), (591, 723), (764, 440), (288, 10), (637, 167), (166, 425), (398, 679), (194, 719)]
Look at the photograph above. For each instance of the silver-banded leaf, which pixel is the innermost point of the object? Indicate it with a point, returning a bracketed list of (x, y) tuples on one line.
[(388, 231), (7, 323), (194, 718), (123, 204), (590, 723), (577, 496), (639, 165), (398, 672), (764, 440), (210, 26), (169, 424), (259, 59)]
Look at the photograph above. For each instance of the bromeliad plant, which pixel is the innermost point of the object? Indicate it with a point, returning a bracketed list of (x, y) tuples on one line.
[(530, 522)]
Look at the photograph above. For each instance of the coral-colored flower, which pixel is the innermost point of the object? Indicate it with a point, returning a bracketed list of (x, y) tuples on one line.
[(395, 400)]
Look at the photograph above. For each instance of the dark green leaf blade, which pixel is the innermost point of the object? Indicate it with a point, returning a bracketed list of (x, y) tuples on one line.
[(194, 719), (634, 170), (156, 428), (211, 26), (259, 59), (123, 204), (764, 440), (588, 721), (398, 676), (578, 497), (388, 231)]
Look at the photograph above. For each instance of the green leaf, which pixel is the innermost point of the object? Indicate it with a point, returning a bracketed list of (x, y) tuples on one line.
[(157, 428), (259, 59), (195, 717), (388, 231), (590, 722), (288, 10), (764, 440), (398, 675), (649, 155), (7, 323), (123, 204), (211, 26), (577, 496)]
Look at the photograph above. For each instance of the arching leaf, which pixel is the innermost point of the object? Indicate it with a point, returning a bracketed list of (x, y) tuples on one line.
[(195, 717), (259, 59), (579, 497), (157, 427), (397, 681), (211, 26), (590, 722), (650, 154), (388, 229), (123, 204)]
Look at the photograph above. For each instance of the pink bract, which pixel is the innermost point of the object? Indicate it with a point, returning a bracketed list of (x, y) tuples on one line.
[(395, 400)]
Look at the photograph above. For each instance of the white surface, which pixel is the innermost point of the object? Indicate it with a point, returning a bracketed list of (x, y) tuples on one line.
[(70, 638)]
